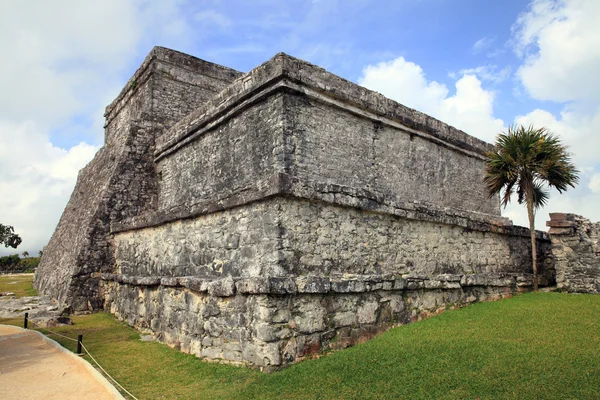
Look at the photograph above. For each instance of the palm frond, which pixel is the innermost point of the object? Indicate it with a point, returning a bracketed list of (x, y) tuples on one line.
[(524, 160), (540, 195)]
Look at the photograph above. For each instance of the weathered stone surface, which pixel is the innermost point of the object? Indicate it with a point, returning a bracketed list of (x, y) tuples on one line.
[(121, 181), (313, 284), (222, 287), (255, 285), (576, 248), (272, 331), (42, 310), (290, 212)]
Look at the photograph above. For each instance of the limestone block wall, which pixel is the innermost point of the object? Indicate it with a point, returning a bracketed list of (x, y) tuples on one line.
[(238, 242), (299, 212), (324, 239), (121, 181), (63, 266), (576, 248), (328, 138), (240, 155), (272, 330), (334, 145), (275, 281)]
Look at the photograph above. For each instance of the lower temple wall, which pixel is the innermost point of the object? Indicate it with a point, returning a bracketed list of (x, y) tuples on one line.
[(273, 282), (271, 331)]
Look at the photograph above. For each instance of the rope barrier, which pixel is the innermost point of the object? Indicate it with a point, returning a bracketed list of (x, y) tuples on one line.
[(107, 374), (52, 332), (88, 353)]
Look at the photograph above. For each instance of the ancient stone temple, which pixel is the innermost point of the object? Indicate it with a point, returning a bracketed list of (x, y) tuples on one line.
[(260, 218)]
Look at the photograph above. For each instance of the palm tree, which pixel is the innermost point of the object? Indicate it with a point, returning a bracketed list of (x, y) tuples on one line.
[(526, 160)]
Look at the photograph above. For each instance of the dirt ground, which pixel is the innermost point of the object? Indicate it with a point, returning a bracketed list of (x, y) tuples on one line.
[(34, 368)]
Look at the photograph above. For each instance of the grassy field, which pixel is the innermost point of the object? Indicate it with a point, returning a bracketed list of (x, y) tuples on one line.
[(20, 284), (533, 346)]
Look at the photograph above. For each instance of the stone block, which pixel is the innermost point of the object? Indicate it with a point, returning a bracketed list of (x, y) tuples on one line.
[(282, 286), (399, 284), (346, 318), (266, 332), (281, 316), (196, 284), (210, 310), (367, 312), (171, 281), (562, 216), (313, 284), (433, 284), (256, 285), (560, 231), (222, 287), (474, 280)]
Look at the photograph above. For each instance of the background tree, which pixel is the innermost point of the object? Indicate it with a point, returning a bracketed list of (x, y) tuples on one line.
[(8, 237), (527, 160), (25, 254)]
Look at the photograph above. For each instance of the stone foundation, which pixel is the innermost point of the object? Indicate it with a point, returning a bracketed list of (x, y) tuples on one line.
[(271, 323), (278, 280)]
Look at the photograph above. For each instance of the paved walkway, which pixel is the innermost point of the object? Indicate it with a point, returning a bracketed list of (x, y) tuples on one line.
[(35, 367)]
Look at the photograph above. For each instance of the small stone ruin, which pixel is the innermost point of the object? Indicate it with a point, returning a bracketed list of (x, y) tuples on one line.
[(576, 249)]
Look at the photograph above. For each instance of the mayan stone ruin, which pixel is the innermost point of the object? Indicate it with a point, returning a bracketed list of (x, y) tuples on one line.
[(576, 250), (261, 218)]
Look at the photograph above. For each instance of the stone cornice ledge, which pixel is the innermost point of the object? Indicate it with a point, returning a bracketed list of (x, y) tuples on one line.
[(283, 71), (283, 185), (346, 283)]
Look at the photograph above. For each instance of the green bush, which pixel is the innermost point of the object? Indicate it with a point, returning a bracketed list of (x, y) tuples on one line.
[(15, 264)]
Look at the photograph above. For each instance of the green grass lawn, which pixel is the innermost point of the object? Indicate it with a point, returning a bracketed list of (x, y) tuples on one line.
[(533, 346), (20, 284)]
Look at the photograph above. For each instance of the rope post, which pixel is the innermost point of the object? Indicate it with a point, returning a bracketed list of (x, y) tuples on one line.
[(26, 320), (79, 340)]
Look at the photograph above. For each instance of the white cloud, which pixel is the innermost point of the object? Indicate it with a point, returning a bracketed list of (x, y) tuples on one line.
[(561, 43), (61, 54), (212, 17), (482, 44), (36, 180), (64, 58), (489, 73), (594, 183), (469, 109), (577, 129), (65, 61)]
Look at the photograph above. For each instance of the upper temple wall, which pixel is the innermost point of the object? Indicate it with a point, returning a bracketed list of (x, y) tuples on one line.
[(285, 71), (336, 147), (166, 87), (292, 128)]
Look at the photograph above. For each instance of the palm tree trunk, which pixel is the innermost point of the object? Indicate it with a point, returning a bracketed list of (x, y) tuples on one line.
[(531, 216)]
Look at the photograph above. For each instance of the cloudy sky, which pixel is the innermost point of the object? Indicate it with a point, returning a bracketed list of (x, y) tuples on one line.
[(477, 65)]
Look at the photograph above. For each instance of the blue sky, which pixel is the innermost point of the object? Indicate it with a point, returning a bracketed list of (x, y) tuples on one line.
[(478, 65)]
